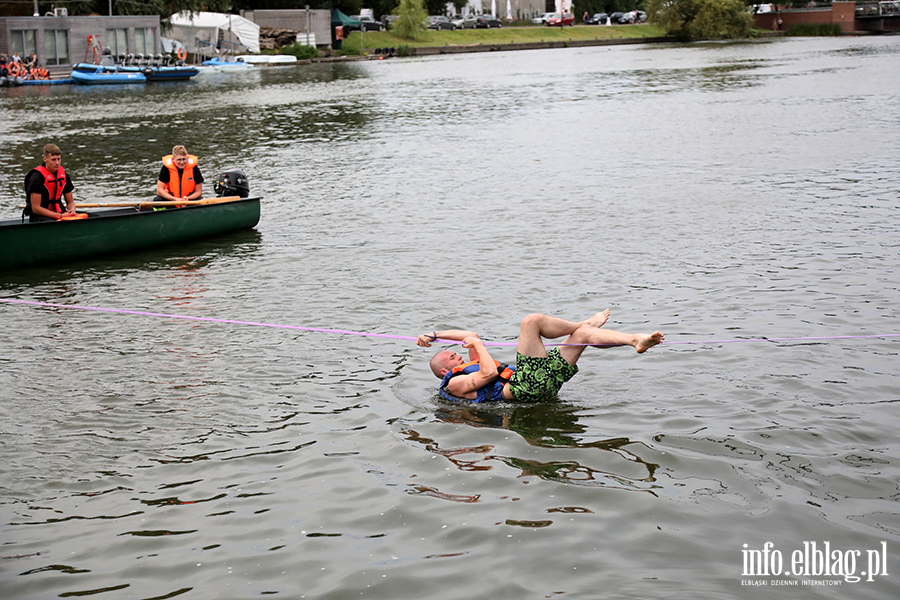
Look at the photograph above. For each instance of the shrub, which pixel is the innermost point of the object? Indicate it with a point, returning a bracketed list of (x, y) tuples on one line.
[(815, 29), (300, 51)]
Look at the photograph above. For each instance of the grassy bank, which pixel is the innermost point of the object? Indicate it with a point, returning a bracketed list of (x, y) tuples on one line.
[(505, 35)]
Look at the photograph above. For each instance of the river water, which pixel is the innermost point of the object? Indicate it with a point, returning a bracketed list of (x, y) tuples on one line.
[(716, 192)]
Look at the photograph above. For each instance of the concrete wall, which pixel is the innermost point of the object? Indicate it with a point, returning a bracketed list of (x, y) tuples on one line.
[(78, 30), (295, 20)]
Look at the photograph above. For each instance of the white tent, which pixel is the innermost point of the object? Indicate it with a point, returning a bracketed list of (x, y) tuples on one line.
[(201, 32)]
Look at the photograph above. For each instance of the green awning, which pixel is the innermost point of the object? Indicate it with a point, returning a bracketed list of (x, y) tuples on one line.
[(339, 18)]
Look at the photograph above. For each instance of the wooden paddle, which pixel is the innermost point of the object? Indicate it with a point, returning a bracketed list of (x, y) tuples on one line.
[(152, 204), (163, 203)]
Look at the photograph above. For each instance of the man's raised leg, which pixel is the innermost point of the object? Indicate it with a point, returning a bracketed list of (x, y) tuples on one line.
[(606, 338), (535, 327)]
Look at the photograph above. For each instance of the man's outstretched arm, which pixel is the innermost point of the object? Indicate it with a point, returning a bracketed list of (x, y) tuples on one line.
[(456, 335)]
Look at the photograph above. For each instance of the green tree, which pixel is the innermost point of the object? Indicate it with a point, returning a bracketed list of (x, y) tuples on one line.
[(348, 7), (437, 7), (459, 5), (163, 8), (702, 19), (412, 19)]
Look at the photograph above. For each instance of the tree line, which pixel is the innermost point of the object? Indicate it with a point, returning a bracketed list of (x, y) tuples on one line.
[(687, 19)]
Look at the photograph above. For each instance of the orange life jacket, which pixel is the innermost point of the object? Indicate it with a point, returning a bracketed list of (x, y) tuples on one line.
[(180, 187), (55, 184)]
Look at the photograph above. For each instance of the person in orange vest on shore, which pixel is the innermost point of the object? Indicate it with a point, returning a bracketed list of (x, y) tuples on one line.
[(180, 177), (48, 189)]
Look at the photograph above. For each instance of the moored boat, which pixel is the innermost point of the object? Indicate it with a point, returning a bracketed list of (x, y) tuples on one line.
[(268, 59), (216, 64), (117, 230), (66, 81), (100, 76), (177, 73), (152, 74)]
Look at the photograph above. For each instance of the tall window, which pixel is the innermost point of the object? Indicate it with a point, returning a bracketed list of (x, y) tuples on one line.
[(144, 40), (56, 46), (117, 41), (23, 42)]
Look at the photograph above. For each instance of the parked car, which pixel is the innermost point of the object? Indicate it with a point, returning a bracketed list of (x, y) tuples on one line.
[(542, 19), (597, 19), (487, 21), (368, 24), (614, 18), (464, 21), (556, 19), (628, 17), (439, 22), (388, 21)]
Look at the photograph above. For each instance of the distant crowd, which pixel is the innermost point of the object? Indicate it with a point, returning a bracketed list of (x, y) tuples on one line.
[(22, 68)]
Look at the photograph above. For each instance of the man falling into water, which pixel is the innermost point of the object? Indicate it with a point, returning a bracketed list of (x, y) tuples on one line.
[(538, 374)]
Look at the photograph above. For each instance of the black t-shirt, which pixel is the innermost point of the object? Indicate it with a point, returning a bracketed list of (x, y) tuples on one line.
[(164, 174), (35, 185)]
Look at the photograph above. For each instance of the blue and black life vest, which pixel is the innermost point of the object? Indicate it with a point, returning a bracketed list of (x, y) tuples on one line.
[(492, 392)]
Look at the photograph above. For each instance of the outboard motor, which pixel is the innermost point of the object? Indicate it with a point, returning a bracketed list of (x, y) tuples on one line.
[(107, 59), (232, 182)]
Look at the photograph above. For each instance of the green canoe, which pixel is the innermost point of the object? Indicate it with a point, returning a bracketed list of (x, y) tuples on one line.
[(113, 231)]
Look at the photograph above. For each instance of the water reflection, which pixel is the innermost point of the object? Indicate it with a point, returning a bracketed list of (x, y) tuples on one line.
[(549, 425), (184, 257)]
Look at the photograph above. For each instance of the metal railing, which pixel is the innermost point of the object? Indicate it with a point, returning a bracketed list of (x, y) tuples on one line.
[(889, 8)]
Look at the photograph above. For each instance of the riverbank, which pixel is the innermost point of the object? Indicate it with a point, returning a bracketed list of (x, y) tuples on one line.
[(507, 38)]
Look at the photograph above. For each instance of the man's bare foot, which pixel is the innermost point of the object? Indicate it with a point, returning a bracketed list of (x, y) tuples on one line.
[(599, 319), (645, 341)]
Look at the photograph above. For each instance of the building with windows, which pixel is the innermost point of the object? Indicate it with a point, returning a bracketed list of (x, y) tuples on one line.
[(61, 41)]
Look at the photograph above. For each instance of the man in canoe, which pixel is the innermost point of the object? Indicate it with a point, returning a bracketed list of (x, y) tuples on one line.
[(538, 374), (180, 177), (48, 189)]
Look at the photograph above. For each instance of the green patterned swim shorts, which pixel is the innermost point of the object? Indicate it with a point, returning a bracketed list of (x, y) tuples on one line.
[(536, 379)]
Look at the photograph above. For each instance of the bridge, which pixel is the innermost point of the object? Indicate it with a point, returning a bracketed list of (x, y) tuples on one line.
[(878, 16)]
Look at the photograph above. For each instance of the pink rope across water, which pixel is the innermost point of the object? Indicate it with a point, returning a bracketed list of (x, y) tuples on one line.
[(403, 337)]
